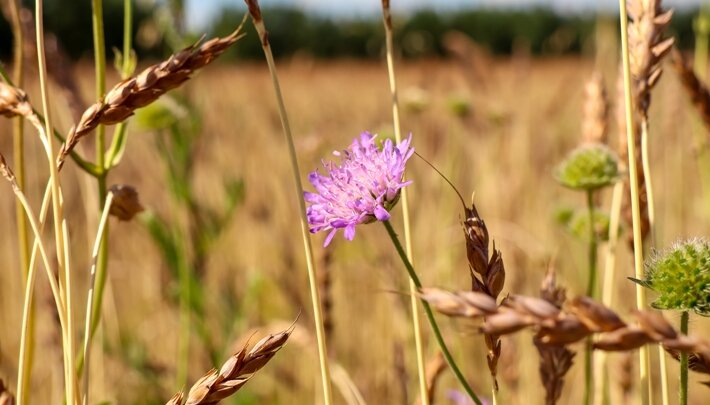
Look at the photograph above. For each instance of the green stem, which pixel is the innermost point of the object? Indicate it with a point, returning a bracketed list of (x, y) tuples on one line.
[(429, 314), (684, 362), (591, 289)]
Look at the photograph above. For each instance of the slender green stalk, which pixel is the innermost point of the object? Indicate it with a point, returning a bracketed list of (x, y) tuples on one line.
[(185, 318), (68, 350), (100, 72), (591, 292), (644, 358), (430, 316), (683, 389), (416, 325), (255, 13), (90, 298)]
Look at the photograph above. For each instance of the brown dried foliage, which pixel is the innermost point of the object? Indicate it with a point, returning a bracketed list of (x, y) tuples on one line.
[(13, 101), (697, 91), (434, 369), (595, 111), (6, 398), (580, 318), (647, 47), (217, 385), (555, 360), (135, 92), (487, 276), (125, 202)]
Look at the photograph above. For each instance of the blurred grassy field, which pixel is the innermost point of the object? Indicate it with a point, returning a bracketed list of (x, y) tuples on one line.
[(524, 116)]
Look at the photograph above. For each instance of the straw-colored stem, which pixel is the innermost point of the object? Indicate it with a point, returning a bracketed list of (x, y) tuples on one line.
[(416, 325), (644, 358), (591, 292), (23, 363), (430, 316), (683, 389), (68, 349), (646, 161), (305, 236), (18, 142), (601, 384), (700, 66), (90, 298)]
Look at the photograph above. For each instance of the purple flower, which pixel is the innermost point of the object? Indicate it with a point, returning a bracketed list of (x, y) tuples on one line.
[(359, 190)]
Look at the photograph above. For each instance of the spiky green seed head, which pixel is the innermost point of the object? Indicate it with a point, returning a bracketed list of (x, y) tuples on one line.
[(681, 277), (589, 167)]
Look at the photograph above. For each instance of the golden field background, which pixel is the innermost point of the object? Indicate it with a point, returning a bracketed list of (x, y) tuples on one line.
[(525, 115)]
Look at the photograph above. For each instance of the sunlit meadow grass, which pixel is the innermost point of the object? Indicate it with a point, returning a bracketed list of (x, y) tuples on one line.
[(522, 122)]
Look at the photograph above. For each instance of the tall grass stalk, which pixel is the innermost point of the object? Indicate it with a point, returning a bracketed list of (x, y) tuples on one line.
[(90, 298), (601, 377), (416, 325), (63, 268), (24, 361), (430, 316), (646, 163), (255, 13), (644, 358), (18, 142), (100, 73)]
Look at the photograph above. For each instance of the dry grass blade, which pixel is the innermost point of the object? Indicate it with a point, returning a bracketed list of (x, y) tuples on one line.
[(697, 91), (217, 385), (434, 369), (581, 318), (124, 98)]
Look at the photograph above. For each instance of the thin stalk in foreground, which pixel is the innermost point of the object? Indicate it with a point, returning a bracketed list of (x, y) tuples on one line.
[(29, 288), (683, 389), (18, 143), (67, 331), (591, 292), (90, 297), (644, 358), (255, 13), (646, 163), (416, 325), (700, 65), (430, 316), (601, 378)]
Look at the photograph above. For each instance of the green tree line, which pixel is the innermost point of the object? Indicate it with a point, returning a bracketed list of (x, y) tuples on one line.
[(541, 31)]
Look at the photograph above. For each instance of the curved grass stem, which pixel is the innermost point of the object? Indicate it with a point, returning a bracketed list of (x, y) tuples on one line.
[(644, 358), (416, 324), (255, 13), (430, 316)]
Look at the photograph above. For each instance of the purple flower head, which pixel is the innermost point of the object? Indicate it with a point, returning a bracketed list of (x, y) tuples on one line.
[(359, 190)]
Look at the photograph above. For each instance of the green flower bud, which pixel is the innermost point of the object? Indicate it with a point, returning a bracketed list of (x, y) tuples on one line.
[(681, 277), (588, 167)]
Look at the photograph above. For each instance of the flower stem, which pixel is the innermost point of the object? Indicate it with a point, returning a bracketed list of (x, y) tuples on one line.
[(591, 292), (255, 13), (684, 362), (416, 324), (430, 316), (644, 358)]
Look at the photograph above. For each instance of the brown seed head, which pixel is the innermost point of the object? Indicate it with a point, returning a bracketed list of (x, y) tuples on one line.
[(125, 203), (595, 316), (595, 111), (13, 101), (130, 94)]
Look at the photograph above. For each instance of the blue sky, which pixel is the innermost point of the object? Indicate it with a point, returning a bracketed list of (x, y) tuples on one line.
[(200, 12)]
